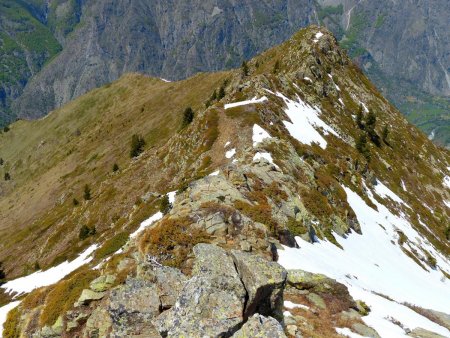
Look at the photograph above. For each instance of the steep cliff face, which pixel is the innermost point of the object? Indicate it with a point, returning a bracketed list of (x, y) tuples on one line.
[(230, 214), (168, 39)]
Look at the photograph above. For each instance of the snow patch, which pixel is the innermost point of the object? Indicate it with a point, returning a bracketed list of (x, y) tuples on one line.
[(447, 204), (227, 144), (267, 156), (51, 276), (345, 331), (304, 120), (165, 80), (341, 102), (171, 196), (287, 314), (364, 107), (318, 36), (259, 134), (230, 153), (289, 305), (243, 103), (383, 191), (307, 79), (373, 262), (447, 181), (4, 312), (404, 186), (145, 224), (215, 173)]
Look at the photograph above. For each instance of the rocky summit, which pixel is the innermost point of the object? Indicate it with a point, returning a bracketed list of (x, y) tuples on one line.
[(284, 198)]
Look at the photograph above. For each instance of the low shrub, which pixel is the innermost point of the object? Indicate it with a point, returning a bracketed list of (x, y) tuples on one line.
[(64, 294), (172, 240), (11, 328), (86, 232)]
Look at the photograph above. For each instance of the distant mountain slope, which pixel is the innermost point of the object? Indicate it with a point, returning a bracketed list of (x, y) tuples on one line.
[(402, 46)]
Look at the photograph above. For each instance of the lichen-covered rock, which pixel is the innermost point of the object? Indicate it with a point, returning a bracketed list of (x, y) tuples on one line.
[(422, 333), (264, 282), (259, 326), (303, 280), (102, 283), (207, 306), (99, 324), (364, 330), (132, 307), (87, 296), (211, 303), (169, 281)]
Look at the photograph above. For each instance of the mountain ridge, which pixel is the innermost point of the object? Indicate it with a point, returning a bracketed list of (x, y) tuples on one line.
[(272, 159), (157, 46)]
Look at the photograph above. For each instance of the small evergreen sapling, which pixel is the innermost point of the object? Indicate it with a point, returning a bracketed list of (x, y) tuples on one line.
[(2, 274), (359, 117), (221, 93), (165, 205), (188, 117), (87, 193), (244, 68), (86, 232), (276, 67), (137, 145), (385, 133), (362, 147)]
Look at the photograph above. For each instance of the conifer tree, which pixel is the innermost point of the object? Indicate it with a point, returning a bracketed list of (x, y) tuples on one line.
[(244, 68), (137, 145), (188, 116), (359, 117), (385, 133), (165, 205), (87, 193)]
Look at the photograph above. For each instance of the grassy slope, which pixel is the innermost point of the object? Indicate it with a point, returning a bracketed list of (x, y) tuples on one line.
[(50, 160)]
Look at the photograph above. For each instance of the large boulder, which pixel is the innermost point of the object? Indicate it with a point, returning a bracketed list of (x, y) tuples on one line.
[(211, 303), (132, 307), (259, 326), (169, 281), (102, 283), (264, 281)]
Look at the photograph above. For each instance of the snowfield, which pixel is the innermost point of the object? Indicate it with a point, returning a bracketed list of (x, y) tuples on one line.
[(375, 263), (48, 277), (304, 121)]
